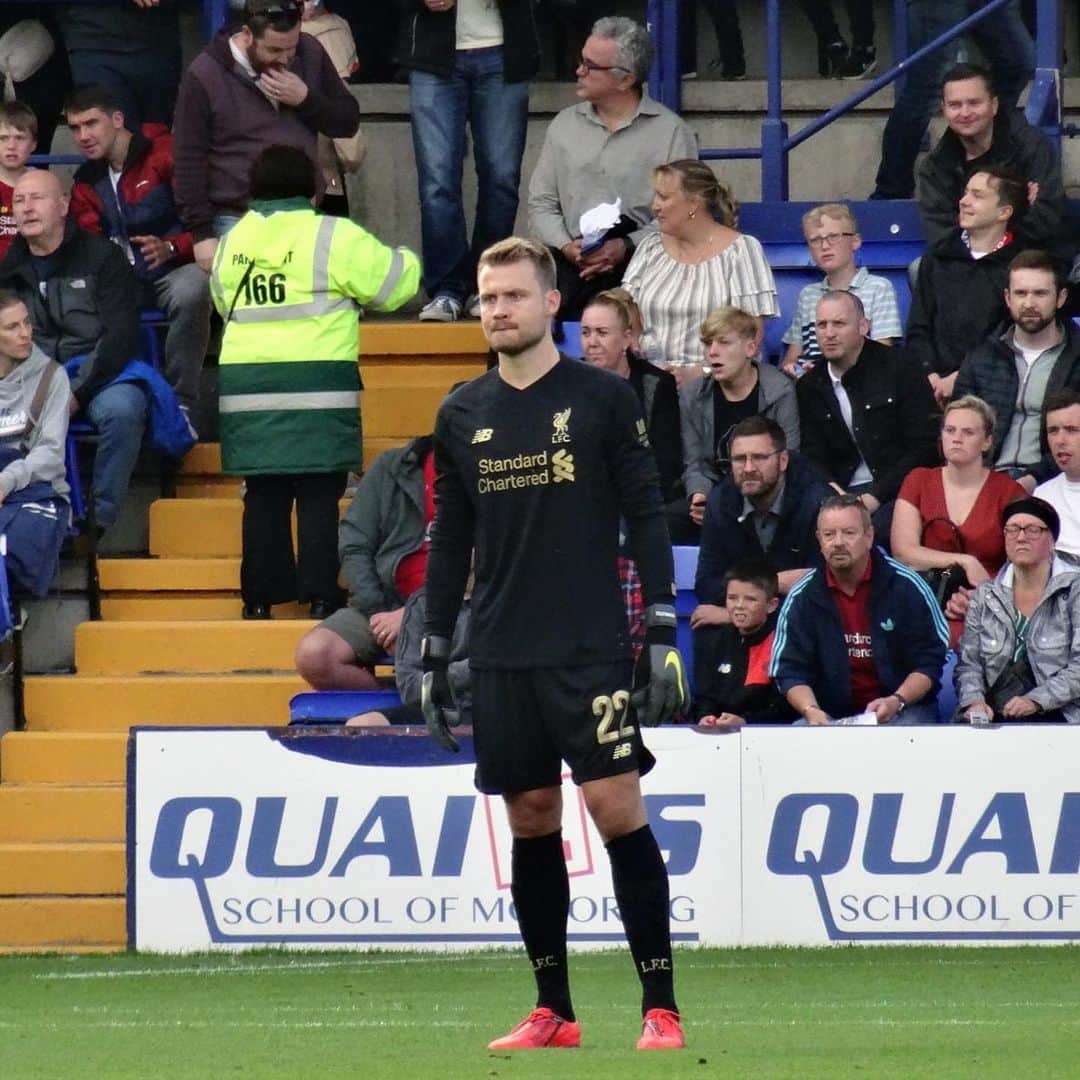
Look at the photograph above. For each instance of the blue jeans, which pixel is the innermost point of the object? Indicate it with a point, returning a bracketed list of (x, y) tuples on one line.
[(497, 113), (1010, 55), (118, 414)]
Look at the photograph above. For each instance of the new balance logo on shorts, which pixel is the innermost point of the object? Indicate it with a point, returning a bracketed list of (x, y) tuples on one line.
[(620, 751)]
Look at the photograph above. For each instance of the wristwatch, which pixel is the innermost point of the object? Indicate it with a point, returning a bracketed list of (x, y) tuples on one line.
[(171, 249), (899, 697)]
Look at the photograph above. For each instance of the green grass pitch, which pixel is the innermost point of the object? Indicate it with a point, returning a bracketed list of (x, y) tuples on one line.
[(805, 1013)]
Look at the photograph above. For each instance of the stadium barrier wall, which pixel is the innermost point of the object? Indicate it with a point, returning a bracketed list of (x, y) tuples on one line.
[(249, 838)]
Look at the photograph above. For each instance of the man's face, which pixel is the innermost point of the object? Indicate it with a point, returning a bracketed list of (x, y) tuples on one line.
[(980, 206), (275, 49), (844, 542), (515, 311), (593, 82), (603, 338), (39, 205), (756, 465), (15, 146), (832, 242), (95, 131), (15, 333), (968, 107), (748, 605), (1063, 438), (840, 332), (1033, 299), (729, 356)]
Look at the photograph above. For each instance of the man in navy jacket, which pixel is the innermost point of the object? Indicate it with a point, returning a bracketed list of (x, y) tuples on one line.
[(865, 616)]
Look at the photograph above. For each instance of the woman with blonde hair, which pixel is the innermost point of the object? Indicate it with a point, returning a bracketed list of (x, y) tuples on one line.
[(695, 262), (948, 515)]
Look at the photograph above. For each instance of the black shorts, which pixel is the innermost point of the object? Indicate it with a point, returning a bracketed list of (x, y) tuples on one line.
[(527, 723)]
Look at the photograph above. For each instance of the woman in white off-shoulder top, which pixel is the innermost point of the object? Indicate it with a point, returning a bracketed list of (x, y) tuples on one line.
[(696, 262)]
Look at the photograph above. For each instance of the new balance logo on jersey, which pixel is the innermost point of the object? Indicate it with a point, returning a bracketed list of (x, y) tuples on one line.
[(620, 751), (562, 466), (561, 422), (483, 435)]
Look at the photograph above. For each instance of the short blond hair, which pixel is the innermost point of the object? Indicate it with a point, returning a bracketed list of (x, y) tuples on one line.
[(982, 409), (729, 320), (617, 300), (840, 211), (515, 249)]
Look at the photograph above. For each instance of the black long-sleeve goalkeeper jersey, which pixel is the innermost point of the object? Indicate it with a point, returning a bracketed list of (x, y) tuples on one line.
[(537, 480)]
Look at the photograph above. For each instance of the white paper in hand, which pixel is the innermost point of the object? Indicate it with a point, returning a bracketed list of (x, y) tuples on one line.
[(594, 224), (866, 719)]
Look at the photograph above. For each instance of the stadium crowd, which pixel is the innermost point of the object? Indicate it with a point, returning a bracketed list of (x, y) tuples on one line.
[(863, 502)]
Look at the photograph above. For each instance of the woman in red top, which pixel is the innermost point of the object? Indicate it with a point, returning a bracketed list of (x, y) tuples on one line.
[(949, 514)]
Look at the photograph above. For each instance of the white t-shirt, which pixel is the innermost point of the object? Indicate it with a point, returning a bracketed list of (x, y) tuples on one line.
[(120, 241), (862, 474), (1064, 497), (478, 25)]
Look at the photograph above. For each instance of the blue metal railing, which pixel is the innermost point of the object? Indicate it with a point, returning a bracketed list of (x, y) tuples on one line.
[(665, 84)]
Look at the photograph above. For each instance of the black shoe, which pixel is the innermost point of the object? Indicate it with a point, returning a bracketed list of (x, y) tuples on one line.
[(323, 609), (860, 63), (831, 58), (257, 611), (727, 70)]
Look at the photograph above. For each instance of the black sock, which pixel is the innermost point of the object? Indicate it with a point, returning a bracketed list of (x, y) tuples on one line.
[(641, 889), (541, 891)]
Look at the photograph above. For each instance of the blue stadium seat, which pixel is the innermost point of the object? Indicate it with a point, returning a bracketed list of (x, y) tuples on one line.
[(322, 707), (571, 340), (686, 559)]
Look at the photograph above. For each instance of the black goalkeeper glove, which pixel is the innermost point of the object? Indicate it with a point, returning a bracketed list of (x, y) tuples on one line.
[(436, 700), (661, 692)]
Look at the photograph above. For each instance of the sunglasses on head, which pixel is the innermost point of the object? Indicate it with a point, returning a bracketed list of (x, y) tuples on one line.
[(281, 14)]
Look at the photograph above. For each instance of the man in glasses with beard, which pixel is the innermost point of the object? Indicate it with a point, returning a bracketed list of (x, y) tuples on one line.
[(257, 85)]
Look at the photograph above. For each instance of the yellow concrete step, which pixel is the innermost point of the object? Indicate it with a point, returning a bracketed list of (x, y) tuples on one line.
[(208, 487), (100, 703), (63, 757), (81, 923), (131, 648), (201, 528), (170, 575), (62, 869), (186, 607), (418, 341), (203, 459), (51, 813), (195, 528), (60, 947)]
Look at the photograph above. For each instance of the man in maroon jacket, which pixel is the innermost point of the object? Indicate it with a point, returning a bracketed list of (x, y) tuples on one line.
[(261, 85), (124, 192)]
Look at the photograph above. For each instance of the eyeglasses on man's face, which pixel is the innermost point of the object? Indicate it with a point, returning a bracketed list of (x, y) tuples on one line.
[(830, 239), (590, 66), (740, 461), (1032, 531)]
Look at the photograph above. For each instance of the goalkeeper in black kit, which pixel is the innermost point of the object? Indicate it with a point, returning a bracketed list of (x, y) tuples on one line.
[(536, 461)]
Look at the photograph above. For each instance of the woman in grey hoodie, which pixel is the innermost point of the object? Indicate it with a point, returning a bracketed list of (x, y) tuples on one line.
[(34, 409)]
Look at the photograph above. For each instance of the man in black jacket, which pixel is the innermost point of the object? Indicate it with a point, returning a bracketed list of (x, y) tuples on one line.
[(980, 136), (867, 416), (1031, 356), (466, 63), (81, 293), (765, 510), (958, 294)]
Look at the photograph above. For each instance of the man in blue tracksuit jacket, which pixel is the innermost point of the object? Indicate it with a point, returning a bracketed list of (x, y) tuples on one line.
[(862, 634)]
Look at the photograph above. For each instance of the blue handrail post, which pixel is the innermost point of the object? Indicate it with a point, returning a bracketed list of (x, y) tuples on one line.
[(665, 79), (1044, 99), (774, 161), (215, 15)]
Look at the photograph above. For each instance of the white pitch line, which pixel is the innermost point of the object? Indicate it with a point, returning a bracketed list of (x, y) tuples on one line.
[(247, 969)]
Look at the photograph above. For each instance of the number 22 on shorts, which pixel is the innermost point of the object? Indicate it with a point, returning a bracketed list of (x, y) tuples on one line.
[(612, 710)]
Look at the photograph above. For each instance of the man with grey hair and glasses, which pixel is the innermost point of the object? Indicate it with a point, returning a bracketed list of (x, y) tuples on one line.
[(602, 149)]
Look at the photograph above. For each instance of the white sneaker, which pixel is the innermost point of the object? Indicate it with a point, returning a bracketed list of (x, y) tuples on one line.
[(472, 306), (441, 309)]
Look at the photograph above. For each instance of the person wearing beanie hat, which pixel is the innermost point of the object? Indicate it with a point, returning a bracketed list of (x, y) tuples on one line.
[(1018, 657)]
